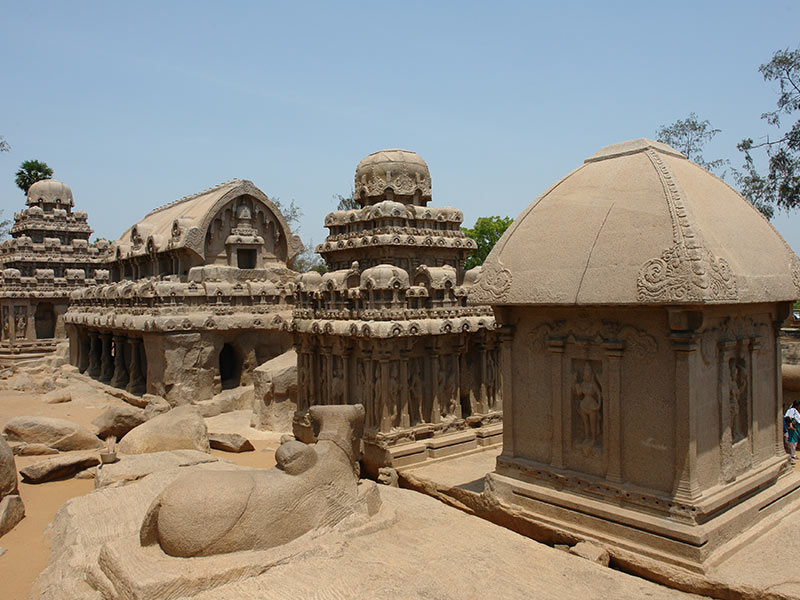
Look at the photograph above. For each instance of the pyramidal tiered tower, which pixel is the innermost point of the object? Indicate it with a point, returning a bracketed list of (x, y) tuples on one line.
[(388, 325), (48, 256)]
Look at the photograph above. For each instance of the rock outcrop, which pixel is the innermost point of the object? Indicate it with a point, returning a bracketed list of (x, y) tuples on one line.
[(181, 428), (60, 434), (119, 420), (59, 466), (230, 442), (275, 393)]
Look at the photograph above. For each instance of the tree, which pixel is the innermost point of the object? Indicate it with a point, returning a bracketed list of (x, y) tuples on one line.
[(5, 227), (346, 202), (4, 145), (689, 136), (307, 259), (780, 186), (485, 232), (30, 172)]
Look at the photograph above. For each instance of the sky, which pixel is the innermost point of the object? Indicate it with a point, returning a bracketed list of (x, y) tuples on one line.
[(137, 104)]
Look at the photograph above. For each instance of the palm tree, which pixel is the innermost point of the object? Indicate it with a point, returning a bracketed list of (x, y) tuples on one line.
[(30, 172)]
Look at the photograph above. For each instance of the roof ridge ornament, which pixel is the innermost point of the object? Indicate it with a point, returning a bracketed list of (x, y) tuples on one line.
[(687, 271)]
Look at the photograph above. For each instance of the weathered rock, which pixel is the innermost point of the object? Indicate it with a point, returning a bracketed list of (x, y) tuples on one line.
[(275, 393), (230, 442), (26, 449), (591, 552), (3, 550), (59, 466), (156, 405), (89, 473), (137, 466), (22, 382), (12, 510), (239, 398), (57, 396), (119, 420), (181, 428), (8, 470), (57, 433)]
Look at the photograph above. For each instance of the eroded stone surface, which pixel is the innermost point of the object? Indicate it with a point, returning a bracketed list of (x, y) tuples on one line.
[(275, 393), (138, 466), (230, 442), (181, 428), (118, 420), (26, 449), (12, 511), (592, 552), (60, 434), (58, 466)]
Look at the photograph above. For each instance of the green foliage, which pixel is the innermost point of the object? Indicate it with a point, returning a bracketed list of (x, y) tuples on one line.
[(30, 172), (485, 232), (309, 260), (292, 213), (780, 186), (346, 202), (689, 136)]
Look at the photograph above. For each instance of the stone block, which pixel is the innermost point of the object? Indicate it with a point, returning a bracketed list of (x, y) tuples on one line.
[(59, 466), (230, 442)]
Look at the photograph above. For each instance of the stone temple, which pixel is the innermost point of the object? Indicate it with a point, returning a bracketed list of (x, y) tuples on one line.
[(200, 295), (388, 326), (642, 384), (48, 256)]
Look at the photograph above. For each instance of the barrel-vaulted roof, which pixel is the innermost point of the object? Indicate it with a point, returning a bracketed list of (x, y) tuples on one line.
[(183, 223), (638, 223)]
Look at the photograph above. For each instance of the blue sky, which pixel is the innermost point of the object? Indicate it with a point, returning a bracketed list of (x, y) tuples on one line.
[(137, 104)]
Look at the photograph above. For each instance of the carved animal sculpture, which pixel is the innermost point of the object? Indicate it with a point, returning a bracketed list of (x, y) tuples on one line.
[(216, 512)]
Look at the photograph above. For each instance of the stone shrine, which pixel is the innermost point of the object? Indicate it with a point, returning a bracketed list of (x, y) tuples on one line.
[(388, 326), (200, 294), (641, 384), (48, 256)]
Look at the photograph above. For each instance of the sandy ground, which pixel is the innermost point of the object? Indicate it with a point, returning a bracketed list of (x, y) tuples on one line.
[(27, 546)]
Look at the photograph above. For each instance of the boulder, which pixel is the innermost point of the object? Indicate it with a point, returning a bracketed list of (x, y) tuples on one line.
[(57, 433), (229, 442), (57, 396), (156, 405), (138, 466), (275, 393), (181, 428), (26, 449), (119, 420), (59, 466), (591, 552), (8, 470), (12, 510), (239, 398)]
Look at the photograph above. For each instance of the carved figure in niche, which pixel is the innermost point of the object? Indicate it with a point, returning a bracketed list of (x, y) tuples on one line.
[(377, 396), (323, 381), (447, 400), (311, 487), (361, 381), (302, 375), (415, 392), (21, 323), (6, 325), (738, 399), (394, 393), (337, 391), (491, 377), (589, 402)]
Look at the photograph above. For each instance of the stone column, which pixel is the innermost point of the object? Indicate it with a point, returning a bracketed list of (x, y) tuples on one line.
[(31, 332), (84, 350), (405, 418), (504, 392), (95, 350), (137, 384), (557, 402), (432, 379), (121, 377), (612, 421), (727, 352), (483, 397), (685, 347), (106, 360), (754, 348), (384, 414)]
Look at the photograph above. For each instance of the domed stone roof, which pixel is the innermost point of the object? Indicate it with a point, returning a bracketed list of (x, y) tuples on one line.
[(401, 171), (638, 223), (49, 191)]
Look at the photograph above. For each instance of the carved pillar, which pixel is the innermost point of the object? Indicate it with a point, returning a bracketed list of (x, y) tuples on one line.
[(385, 414), (347, 352), (727, 353), (612, 417), (84, 350), (432, 378), (557, 401), (95, 351), (504, 387), (405, 418), (483, 398), (121, 376), (328, 366), (30, 334), (753, 348), (106, 360), (685, 347), (136, 382)]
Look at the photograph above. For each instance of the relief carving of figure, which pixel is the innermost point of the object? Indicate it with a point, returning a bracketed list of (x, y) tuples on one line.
[(323, 381), (376, 406), (337, 392), (6, 326), (415, 392), (302, 374), (394, 394), (361, 381), (586, 390), (447, 400), (491, 377), (21, 324), (738, 399)]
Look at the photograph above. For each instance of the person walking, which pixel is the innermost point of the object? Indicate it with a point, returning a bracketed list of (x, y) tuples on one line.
[(792, 421)]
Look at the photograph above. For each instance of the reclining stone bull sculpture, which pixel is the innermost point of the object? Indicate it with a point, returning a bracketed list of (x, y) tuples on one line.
[(312, 487)]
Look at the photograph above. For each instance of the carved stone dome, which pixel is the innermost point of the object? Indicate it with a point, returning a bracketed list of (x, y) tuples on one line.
[(638, 223), (398, 175), (50, 191)]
